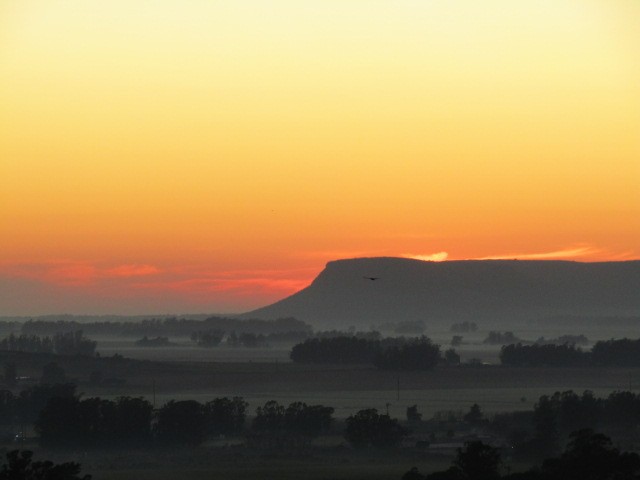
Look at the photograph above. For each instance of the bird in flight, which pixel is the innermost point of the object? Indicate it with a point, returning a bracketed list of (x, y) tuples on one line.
[(371, 278)]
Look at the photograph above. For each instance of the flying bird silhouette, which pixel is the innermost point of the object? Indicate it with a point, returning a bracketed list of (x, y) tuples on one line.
[(371, 278)]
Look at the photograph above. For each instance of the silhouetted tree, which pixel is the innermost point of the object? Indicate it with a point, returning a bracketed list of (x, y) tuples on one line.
[(368, 428), (412, 414), (295, 426), (60, 422), (73, 343), (451, 357), (69, 421), (133, 421), (499, 338), (267, 428), (621, 353), (208, 338), (32, 401), (27, 343), (154, 342), (549, 355), (19, 466), (339, 350), (546, 435), (225, 416), (181, 423), (474, 415), (418, 354), (478, 461), (303, 423), (591, 456)]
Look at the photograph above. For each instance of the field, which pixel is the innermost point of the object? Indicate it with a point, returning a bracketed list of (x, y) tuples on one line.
[(261, 374), (347, 389), (228, 463)]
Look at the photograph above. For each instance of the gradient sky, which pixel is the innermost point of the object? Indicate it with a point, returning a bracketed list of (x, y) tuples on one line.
[(212, 156)]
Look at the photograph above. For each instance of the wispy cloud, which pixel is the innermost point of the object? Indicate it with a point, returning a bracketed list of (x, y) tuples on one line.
[(565, 253), (132, 271), (429, 257), (327, 255), (72, 272)]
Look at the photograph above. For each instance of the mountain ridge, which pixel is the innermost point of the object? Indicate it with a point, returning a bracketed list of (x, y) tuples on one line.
[(443, 292)]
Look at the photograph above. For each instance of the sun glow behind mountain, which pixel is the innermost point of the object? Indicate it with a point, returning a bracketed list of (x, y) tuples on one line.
[(198, 156)]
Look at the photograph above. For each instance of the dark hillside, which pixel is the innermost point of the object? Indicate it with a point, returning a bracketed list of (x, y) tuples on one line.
[(493, 291)]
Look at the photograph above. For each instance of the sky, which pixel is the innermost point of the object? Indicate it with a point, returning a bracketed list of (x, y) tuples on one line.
[(176, 156)]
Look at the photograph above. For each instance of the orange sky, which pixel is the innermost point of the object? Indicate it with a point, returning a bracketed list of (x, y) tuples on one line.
[(170, 156)]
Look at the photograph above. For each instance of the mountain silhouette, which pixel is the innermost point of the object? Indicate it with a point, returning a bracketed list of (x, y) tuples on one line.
[(496, 291)]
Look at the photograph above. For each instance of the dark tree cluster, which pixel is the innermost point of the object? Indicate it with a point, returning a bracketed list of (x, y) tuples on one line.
[(568, 411), (25, 407), (539, 433), (615, 353), (189, 422), (418, 354), (537, 355), (27, 343), (20, 466), (275, 426), (368, 428), (564, 339), (68, 343), (214, 338), (618, 353), (500, 338), (247, 340), (340, 350), (154, 342), (70, 421), (73, 343), (587, 456), (67, 420), (207, 338), (372, 335), (390, 353)]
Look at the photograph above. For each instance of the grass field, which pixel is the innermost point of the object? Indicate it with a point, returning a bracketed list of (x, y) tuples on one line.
[(229, 463), (346, 388)]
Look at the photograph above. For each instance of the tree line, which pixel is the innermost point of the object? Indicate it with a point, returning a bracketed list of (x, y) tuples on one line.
[(172, 326), (61, 343), (587, 456), (62, 418), (389, 353), (613, 353)]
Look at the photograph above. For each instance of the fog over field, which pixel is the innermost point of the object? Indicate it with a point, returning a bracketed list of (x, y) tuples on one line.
[(320, 240)]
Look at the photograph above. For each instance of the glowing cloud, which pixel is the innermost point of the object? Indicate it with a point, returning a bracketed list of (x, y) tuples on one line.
[(432, 257)]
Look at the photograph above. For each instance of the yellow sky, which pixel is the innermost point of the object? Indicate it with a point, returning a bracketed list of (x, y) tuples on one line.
[(202, 145)]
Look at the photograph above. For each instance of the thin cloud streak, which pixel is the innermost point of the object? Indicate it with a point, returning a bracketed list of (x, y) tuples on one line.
[(574, 252), (70, 272)]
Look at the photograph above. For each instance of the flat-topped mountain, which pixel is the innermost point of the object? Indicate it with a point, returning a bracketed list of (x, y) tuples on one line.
[(366, 291)]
